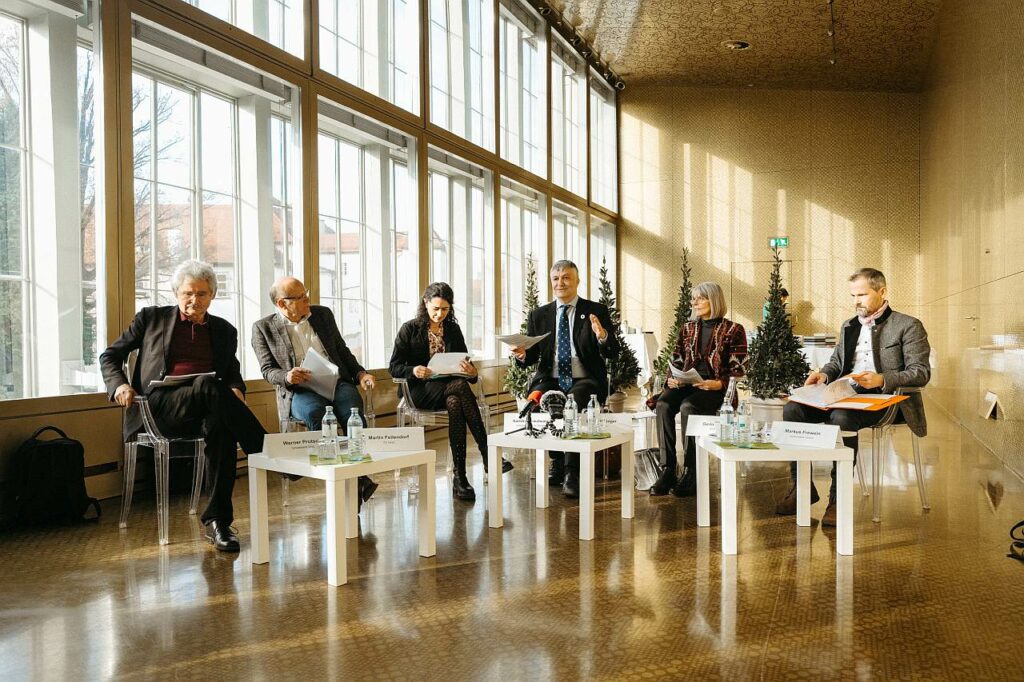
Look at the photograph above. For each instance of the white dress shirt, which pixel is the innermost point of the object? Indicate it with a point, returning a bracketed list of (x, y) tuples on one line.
[(863, 357), (303, 338)]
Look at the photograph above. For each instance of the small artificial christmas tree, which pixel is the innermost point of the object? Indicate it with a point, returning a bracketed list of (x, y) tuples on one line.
[(623, 369), (775, 364), (517, 379), (682, 317)]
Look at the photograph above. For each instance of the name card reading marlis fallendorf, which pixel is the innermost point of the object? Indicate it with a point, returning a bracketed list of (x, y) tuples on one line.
[(287, 444), (822, 436), (404, 439), (514, 421), (698, 425)]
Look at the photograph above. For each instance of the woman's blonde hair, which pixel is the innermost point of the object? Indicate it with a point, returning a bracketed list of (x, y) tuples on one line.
[(715, 296)]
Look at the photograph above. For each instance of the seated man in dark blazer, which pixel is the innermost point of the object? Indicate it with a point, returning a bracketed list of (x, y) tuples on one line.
[(572, 357), (185, 339), (281, 341)]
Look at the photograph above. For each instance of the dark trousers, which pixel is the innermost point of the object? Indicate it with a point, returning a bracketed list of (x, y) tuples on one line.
[(581, 391), (684, 401), (208, 407), (846, 420)]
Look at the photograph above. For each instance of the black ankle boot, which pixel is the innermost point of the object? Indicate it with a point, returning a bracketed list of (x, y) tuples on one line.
[(664, 483), (506, 466), (461, 489), (687, 485)]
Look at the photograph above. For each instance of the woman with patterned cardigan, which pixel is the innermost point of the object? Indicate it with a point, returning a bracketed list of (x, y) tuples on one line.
[(717, 349)]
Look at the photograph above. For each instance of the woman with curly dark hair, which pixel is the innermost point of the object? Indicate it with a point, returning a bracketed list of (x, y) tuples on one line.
[(435, 330)]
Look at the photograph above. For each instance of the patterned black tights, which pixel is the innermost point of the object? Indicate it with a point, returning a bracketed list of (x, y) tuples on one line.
[(463, 412)]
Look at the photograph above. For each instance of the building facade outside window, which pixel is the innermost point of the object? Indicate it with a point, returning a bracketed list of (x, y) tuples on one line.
[(523, 87)]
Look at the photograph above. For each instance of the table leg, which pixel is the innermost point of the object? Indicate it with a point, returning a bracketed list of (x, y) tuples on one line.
[(337, 569), (495, 512), (351, 507), (628, 482), (540, 466), (427, 510), (703, 488), (258, 520), (587, 461), (727, 507), (844, 508), (803, 493)]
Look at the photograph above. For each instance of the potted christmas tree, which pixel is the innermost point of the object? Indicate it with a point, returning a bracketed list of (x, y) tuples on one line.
[(682, 316), (517, 379), (623, 369), (775, 363)]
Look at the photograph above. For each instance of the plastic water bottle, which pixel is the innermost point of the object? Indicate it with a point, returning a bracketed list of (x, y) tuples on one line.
[(329, 437), (593, 416), (727, 415), (355, 436), (569, 415), (743, 425)]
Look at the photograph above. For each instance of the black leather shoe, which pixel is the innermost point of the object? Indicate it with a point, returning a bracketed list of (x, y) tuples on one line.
[(664, 483), (556, 474), (367, 486), (687, 485), (461, 489), (221, 536), (571, 487)]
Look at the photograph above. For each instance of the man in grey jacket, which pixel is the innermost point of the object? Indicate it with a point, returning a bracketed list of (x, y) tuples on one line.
[(880, 350)]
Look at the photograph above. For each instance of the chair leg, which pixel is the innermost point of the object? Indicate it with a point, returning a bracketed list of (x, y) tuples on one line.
[(876, 475), (920, 472), (197, 477), (859, 468), (128, 482), (285, 500), (161, 463)]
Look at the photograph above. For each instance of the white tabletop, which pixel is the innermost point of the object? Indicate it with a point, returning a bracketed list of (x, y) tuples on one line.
[(299, 464), (784, 453)]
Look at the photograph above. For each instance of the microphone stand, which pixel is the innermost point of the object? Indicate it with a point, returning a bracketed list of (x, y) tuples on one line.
[(530, 431)]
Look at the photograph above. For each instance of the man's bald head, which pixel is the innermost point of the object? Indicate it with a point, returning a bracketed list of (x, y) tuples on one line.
[(290, 298), (286, 287)]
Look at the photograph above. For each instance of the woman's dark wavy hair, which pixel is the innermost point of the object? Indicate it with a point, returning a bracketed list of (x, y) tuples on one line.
[(436, 290)]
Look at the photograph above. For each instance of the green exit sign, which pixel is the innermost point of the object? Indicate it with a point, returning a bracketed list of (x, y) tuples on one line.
[(778, 242)]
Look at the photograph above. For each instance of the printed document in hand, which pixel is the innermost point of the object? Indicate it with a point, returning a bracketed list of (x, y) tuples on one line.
[(178, 379), (448, 364), (690, 376), (324, 374), (522, 340), (841, 395)]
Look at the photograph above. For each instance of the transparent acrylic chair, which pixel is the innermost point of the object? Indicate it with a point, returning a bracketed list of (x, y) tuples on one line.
[(151, 437), (289, 424), (410, 415), (881, 434)]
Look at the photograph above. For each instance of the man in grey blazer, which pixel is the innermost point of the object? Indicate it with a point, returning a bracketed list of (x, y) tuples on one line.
[(881, 350), (281, 341)]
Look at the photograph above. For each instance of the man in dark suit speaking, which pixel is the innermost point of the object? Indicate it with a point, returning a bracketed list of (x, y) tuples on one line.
[(185, 339), (572, 357), (281, 342)]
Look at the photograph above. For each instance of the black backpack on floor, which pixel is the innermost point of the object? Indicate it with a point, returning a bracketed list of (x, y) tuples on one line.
[(48, 478)]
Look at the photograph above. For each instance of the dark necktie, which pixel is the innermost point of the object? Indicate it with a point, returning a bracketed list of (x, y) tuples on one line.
[(564, 352)]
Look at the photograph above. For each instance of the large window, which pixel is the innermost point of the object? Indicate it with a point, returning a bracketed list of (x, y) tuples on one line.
[(206, 145), (462, 244), (373, 44), (569, 239), (604, 165), (602, 252), (368, 250), (568, 118), (49, 308), (462, 68), (523, 87), (279, 22), (524, 242)]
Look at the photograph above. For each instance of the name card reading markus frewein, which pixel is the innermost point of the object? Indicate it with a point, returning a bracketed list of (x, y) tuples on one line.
[(403, 439), (808, 435)]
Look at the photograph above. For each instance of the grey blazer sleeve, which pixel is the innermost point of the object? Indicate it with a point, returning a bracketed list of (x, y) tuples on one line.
[(916, 352), (833, 369), (273, 373)]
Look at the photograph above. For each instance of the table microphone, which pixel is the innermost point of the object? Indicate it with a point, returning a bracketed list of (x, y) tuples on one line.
[(532, 403)]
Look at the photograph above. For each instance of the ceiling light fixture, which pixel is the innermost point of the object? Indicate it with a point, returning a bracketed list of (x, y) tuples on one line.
[(832, 30), (560, 25)]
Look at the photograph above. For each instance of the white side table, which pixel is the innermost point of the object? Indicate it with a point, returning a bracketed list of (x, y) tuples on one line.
[(342, 501), (586, 449), (803, 456)]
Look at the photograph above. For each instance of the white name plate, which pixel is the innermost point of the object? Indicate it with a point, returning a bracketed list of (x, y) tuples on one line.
[(822, 436), (393, 440), (286, 444), (514, 421), (699, 425)]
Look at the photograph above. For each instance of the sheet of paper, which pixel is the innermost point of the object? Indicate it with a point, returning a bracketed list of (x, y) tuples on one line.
[(823, 395), (690, 376), (324, 379), (179, 379), (446, 364), (522, 340)]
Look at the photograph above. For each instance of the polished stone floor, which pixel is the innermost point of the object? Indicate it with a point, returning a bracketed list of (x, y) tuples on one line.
[(927, 596)]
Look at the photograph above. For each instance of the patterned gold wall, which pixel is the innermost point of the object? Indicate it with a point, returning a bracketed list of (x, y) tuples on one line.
[(721, 170), (972, 211)]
